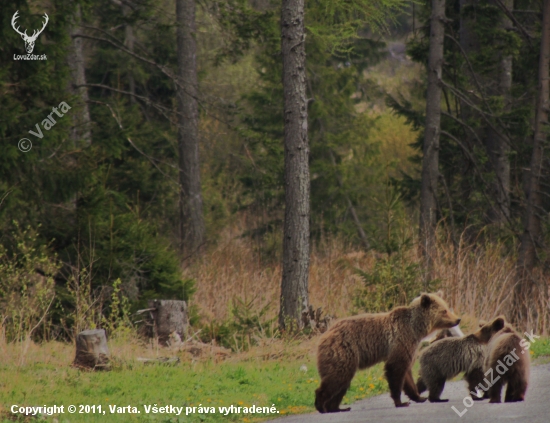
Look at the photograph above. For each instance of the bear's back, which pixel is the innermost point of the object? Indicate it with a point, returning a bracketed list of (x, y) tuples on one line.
[(451, 356)]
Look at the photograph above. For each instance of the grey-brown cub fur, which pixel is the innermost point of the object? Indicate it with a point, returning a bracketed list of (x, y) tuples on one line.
[(448, 357)]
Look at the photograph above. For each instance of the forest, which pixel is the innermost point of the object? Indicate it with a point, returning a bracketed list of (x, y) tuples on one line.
[(256, 158)]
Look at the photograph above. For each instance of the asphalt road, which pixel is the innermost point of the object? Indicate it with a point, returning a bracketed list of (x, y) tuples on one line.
[(380, 409)]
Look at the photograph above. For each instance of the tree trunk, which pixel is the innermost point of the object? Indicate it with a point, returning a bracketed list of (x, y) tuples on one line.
[(470, 45), (80, 130), (129, 39), (91, 350), (468, 37), (294, 286), (192, 229), (170, 320), (532, 234), (497, 145), (430, 162)]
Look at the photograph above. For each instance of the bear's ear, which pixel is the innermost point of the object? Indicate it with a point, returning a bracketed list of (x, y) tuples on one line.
[(439, 293), (498, 324), (425, 300)]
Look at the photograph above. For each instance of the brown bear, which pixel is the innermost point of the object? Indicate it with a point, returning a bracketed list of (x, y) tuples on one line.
[(507, 362), (362, 341), (447, 333), (448, 357)]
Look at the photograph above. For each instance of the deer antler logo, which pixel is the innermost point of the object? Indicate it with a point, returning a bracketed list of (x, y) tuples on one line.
[(29, 41)]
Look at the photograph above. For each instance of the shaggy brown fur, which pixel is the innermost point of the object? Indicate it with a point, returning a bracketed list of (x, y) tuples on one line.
[(453, 332), (443, 334), (508, 357), (362, 341), (447, 358)]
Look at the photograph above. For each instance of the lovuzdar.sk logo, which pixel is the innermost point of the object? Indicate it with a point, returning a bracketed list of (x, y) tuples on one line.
[(29, 39)]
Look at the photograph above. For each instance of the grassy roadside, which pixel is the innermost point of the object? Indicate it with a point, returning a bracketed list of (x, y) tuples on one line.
[(540, 350), (287, 383)]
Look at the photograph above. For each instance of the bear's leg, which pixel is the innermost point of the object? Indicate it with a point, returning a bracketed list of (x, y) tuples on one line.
[(436, 388), (474, 378), (333, 405), (329, 395), (395, 375), (510, 394), (515, 391), (420, 385), (495, 392), (323, 394), (410, 388), (320, 398)]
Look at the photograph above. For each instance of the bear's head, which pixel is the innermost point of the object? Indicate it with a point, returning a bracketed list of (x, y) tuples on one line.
[(434, 312), (508, 328), (488, 330)]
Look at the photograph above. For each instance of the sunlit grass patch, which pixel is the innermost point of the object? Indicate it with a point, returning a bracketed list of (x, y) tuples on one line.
[(288, 384), (541, 347)]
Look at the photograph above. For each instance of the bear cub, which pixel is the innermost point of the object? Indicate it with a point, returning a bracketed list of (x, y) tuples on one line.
[(508, 358), (448, 357), (362, 341)]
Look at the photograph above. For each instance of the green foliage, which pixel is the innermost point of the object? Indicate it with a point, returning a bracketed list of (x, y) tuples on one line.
[(246, 327), (26, 286), (345, 167), (472, 103), (394, 232), (118, 324), (394, 281), (540, 348), (109, 206), (264, 383), (242, 28), (80, 305), (335, 24)]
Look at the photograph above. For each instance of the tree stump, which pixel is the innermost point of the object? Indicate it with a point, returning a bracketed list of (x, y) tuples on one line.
[(169, 317), (91, 350), (312, 319)]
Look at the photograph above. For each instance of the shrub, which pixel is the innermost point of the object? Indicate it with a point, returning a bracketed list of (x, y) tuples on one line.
[(393, 281), (27, 287)]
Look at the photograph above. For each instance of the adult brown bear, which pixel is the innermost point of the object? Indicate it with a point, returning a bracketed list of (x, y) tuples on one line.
[(362, 341)]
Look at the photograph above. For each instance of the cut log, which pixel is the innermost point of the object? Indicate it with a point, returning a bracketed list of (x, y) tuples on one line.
[(169, 318), (91, 350)]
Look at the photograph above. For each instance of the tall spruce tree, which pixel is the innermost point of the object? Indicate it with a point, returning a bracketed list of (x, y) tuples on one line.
[(294, 286), (532, 238), (430, 159), (192, 231)]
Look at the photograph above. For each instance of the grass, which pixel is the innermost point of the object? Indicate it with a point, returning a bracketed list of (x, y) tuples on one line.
[(477, 281), (242, 381), (540, 349), (286, 382)]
